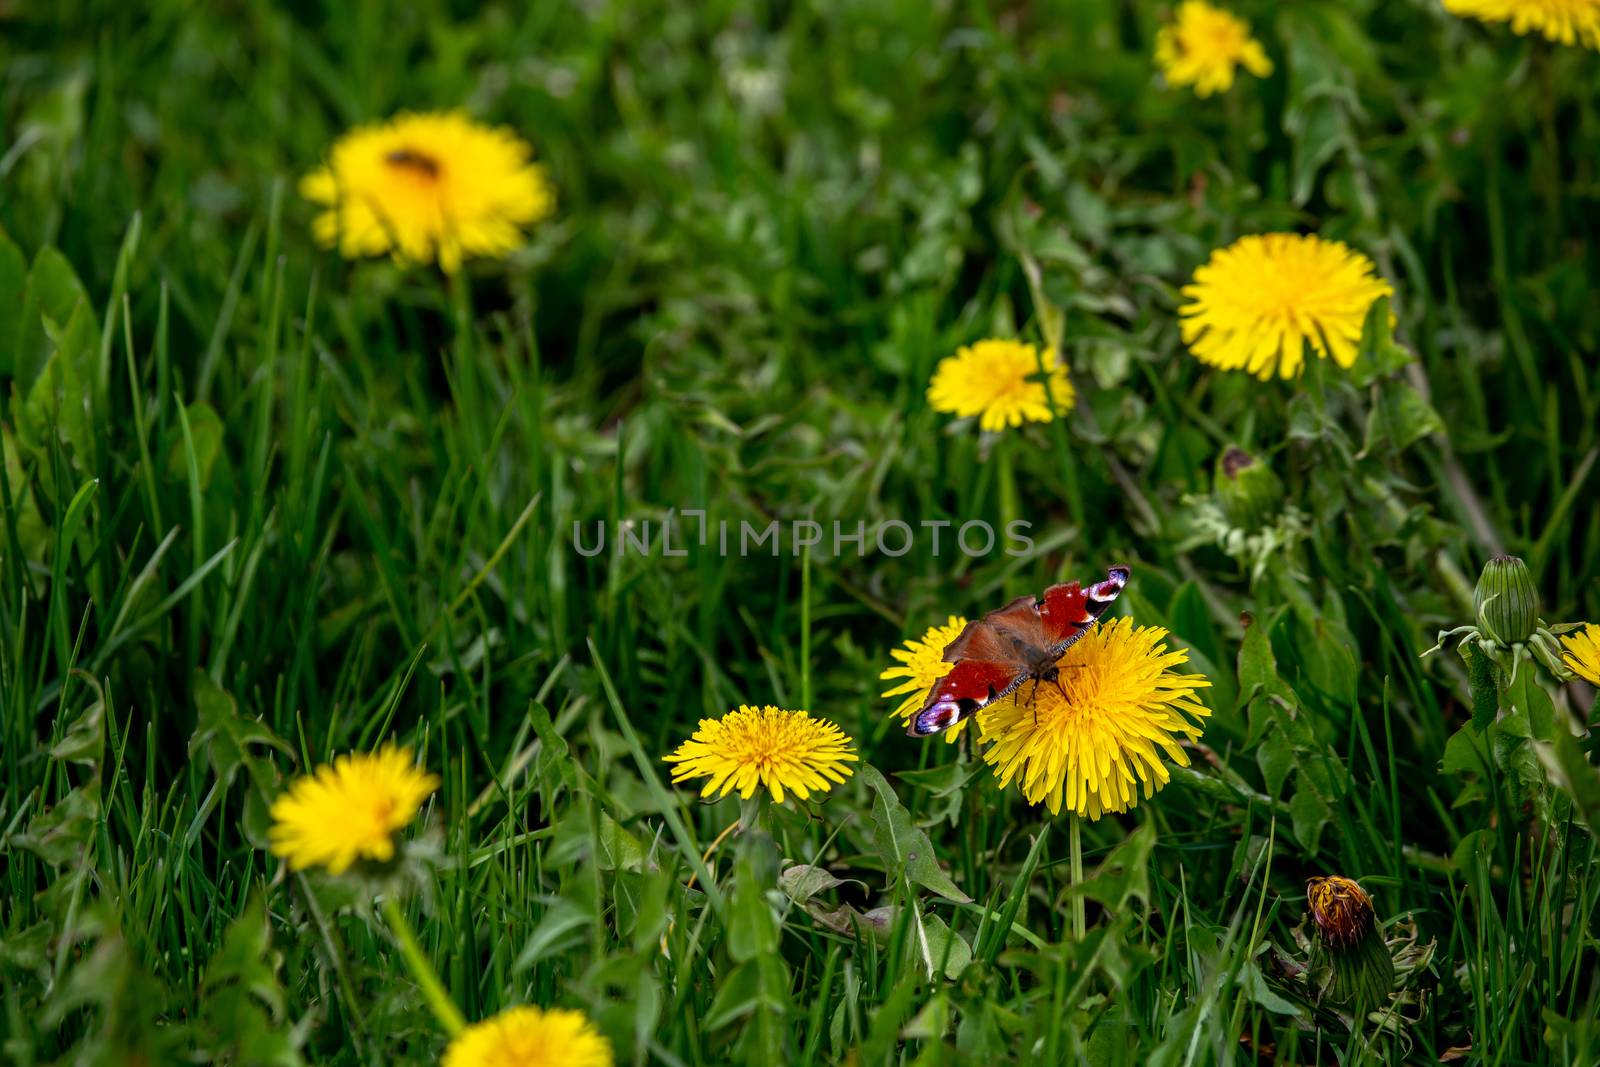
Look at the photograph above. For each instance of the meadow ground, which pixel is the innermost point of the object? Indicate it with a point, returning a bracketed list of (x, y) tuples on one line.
[(265, 505)]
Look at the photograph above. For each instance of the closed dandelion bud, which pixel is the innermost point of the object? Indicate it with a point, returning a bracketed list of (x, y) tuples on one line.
[(1349, 941), (1247, 489), (1506, 601)]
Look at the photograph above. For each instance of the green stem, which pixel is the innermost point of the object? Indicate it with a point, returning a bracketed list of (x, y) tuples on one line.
[(1075, 846), (1008, 482), (444, 1009)]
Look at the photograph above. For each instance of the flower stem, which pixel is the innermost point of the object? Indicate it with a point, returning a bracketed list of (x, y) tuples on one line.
[(1075, 847), (706, 859), (444, 1009)]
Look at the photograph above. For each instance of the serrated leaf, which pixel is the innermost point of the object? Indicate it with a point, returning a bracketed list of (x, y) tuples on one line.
[(1400, 418), (802, 881), (61, 834), (903, 848), (553, 764), (59, 404), (225, 736), (85, 740), (1258, 666), (243, 1002)]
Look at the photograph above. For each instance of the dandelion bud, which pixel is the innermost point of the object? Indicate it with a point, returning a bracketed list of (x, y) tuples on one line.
[(1247, 489), (1506, 601), (1349, 941)]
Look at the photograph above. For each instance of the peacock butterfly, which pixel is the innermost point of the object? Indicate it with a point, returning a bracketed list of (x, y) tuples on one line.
[(1022, 641)]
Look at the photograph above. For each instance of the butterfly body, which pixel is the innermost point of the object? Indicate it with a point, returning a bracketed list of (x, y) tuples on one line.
[(1021, 642)]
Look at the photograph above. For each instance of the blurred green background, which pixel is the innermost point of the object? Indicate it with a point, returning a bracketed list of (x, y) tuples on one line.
[(271, 506)]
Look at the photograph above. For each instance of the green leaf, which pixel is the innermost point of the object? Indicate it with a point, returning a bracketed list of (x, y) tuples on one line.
[(801, 881), (1125, 874), (1574, 775), (1380, 355), (1465, 752), (56, 284), (1310, 814), (946, 787), (59, 404), (1275, 757), (902, 847), (1485, 697), (13, 284), (759, 987), (60, 835), (1529, 699), (563, 927), (1255, 987), (205, 430), (553, 764), (752, 924), (1258, 671), (224, 735), (942, 946), (1330, 661), (1400, 418), (619, 849), (243, 1004), (85, 740)]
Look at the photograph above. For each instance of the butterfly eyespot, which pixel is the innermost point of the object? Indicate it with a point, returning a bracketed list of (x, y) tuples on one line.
[(941, 716)]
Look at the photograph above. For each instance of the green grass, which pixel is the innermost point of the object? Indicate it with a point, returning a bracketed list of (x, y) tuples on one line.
[(270, 506)]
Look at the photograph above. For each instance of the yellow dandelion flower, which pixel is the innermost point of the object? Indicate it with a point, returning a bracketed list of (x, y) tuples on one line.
[(1580, 650), (922, 663), (425, 187), (349, 811), (752, 748), (1564, 21), (1257, 303), (1093, 744), (1203, 46), (1000, 382), (530, 1037)]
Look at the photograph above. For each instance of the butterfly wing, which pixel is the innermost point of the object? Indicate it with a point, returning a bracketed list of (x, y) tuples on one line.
[(996, 653), (1067, 611), (989, 658)]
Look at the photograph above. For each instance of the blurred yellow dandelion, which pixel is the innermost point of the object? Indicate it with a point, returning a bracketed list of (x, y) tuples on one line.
[(922, 663), (1565, 21), (1093, 745), (1580, 651), (349, 811), (530, 1037), (425, 187), (1257, 303), (752, 748), (1001, 383), (1203, 46)]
